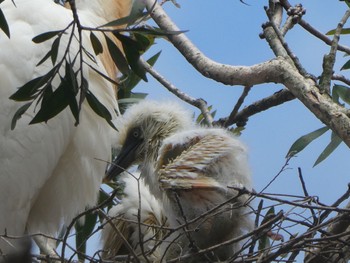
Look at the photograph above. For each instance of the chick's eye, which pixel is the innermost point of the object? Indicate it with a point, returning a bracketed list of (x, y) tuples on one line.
[(136, 133)]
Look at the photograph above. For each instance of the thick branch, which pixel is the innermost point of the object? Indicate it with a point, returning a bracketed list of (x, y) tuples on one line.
[(279, 70), (275, 99)]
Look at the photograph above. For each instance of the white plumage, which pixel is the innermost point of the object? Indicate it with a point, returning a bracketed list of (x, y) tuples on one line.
[(49, 172), (189, 170), (139, 218)]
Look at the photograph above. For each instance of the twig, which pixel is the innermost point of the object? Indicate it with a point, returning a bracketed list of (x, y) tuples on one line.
[(289, 52), (276, 99), (237, 106), (199, 103), (341, 78), (314, 31), (329, 59)]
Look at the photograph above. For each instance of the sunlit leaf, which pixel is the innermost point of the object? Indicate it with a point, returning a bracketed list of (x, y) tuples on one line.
[(19, 114), (334, 143), (46, 36), (117, 56), (96, 44), (304, 141), (340, 91), (3, 24), (344, 31), (99, 108)]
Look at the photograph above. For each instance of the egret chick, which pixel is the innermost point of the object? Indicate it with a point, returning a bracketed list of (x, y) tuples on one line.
[(143, 128), (195, 168), (139, 218), (190, 170)]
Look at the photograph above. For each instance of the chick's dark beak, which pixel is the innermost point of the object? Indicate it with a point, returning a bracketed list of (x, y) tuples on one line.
[(124, 160)]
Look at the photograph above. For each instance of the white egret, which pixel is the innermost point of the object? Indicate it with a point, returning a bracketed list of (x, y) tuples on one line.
[(189, 169), (49, 171)]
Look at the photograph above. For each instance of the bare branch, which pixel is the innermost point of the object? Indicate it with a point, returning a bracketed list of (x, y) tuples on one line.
[(276, 99), (329, 59), (341, 78), (237, 106), (199, 103), (309, 28)]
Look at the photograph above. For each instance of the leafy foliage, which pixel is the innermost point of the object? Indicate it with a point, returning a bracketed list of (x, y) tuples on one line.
[(53, 99)]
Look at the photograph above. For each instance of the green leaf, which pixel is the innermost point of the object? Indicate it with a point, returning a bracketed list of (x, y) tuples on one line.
[(156, 31), (96, 44), (334, 143), (54, 50), (119, 22), (99, 108), (48, 54), (348, 3), (132, 52), (3, 24), (124, 103), (117, 56), (29, 90), (340, 91), (46, 36), (264, 241), (83, 232), (304, 141), (53, 104), (72, 83), (19, 114), (346, 65), (144, 41), (132, 80), (344, 31)]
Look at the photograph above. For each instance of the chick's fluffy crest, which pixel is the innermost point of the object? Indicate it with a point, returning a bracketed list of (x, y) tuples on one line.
[(138, 114)]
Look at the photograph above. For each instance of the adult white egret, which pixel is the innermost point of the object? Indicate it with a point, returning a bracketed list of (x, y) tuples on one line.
[(49, 171), (135, 223), (189, 169)]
